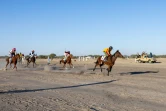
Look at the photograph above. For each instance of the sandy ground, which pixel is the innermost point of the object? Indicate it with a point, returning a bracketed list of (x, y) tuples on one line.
[(130, 87)]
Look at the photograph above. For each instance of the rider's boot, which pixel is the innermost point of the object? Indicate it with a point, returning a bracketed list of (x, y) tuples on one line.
[(105, 58)]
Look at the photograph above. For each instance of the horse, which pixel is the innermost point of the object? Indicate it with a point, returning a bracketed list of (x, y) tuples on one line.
[(110, 61), (33, 60), (14, 61), (68, 61), (20, 60)]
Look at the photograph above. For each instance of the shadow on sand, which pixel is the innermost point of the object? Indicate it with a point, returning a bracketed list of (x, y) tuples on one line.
[(65, 87), (138, 72), (158, 62)]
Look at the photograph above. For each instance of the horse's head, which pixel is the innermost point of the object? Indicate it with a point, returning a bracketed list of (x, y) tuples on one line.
[(118, 54), (71, 55), (17, 56)]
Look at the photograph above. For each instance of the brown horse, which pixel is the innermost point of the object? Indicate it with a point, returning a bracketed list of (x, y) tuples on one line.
[(14, 61), (110, 62), (33, 60), (68, 61)]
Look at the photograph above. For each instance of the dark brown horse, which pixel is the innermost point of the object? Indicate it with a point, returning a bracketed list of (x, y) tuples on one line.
[(33, 60), (110, 61), (14, 61), (68, 61)]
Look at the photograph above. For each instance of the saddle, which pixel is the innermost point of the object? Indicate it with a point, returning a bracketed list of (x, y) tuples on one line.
[(104, 58)]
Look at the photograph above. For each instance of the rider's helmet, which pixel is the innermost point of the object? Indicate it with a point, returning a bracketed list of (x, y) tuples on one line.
[(33, 51), (110, 47), (14, 49)]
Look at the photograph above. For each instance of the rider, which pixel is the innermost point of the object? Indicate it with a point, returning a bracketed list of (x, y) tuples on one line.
[(66, 54), (107, 52), (32, 54), (20, 55), (12, 53)]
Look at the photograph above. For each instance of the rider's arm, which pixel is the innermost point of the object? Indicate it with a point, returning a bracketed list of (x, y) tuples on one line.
[(108, 52)]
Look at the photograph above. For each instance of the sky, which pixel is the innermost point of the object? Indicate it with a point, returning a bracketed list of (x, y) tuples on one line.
[(83, 27)]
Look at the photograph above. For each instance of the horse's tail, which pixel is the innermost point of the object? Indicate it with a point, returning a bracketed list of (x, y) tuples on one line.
[(60, 61), (7, 58), (98, 60)]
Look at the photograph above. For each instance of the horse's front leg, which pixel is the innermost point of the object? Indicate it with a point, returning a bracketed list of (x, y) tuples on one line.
[(109, 69), (15, 67), (72, 65), (35, 63), (69, 65)]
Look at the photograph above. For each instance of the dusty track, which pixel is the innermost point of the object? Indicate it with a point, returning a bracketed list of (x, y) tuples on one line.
[(133, 87)]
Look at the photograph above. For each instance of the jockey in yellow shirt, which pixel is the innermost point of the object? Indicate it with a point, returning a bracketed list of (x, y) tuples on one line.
[(107, 52)]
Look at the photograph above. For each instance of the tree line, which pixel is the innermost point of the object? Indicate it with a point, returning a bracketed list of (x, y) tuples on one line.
[(52, 56)]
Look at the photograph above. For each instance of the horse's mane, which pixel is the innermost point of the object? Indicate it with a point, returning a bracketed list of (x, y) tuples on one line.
[(115, 53)]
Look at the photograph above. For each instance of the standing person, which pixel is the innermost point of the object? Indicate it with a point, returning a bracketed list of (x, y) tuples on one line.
[(23, 59)]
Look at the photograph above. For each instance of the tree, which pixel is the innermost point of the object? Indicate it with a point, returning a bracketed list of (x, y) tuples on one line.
[(42, 56), (52, 56)]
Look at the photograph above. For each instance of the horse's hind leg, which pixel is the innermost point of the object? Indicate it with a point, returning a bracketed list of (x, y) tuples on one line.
[(10, 65), (64, 65), (95, 67), (101, 67), (7, 64)]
